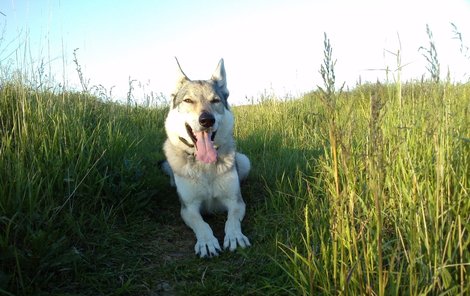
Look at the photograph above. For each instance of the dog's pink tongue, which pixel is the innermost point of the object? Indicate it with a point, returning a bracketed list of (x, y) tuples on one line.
[(205, 148)]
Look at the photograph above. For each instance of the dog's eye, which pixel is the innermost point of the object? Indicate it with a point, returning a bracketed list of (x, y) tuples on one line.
[(189, 101), (215, 100)]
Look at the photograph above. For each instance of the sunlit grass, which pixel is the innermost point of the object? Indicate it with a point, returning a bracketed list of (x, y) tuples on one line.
[(69, 164), (384, 208), (403, 182)]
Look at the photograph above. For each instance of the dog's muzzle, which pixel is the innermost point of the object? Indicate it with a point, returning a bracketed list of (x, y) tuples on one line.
[(206, 119), (203, 139), (191, 135)]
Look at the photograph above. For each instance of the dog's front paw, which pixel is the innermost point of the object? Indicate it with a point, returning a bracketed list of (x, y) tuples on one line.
[(234, 239), (207, 248)]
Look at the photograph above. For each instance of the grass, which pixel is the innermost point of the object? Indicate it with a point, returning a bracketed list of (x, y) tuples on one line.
[(361, 192), (400, 216)]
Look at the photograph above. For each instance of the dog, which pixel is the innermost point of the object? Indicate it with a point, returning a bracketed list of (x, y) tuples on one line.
[(202, 161)]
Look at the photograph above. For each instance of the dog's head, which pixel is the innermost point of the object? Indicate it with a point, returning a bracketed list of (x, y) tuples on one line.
[(204, 90), (198, 112)]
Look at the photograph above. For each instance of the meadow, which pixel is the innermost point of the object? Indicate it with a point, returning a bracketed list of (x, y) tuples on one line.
[(352, 192)]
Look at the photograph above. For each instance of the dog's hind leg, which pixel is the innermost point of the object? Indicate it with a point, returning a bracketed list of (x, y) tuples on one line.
[(206, 245), (243, 166), (165, 166)]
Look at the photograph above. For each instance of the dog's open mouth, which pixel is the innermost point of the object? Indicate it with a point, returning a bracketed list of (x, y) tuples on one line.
[(204, 142)]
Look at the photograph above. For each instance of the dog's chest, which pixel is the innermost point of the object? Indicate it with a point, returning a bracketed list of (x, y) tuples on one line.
[(207, 187)]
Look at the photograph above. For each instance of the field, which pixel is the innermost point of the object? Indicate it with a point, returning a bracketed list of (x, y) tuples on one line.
[(357, 192)]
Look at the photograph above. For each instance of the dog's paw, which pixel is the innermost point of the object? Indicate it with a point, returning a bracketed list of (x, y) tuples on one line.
[(207, 248), (234, 239)]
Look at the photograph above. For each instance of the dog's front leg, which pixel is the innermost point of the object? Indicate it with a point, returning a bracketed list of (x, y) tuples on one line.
[(206, 245), (233, 232)]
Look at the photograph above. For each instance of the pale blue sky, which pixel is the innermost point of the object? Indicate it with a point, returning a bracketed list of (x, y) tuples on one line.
[(267, 45)]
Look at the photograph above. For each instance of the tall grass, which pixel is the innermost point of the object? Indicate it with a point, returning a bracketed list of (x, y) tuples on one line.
[(69, 167), (387, 211), (430, 54), (75, 169), (389, 216)]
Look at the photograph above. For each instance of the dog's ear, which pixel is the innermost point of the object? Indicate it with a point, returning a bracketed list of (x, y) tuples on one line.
[(220, 78), (182, 78)]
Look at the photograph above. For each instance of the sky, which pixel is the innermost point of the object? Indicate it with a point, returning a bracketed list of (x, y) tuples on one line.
[(269, 46)]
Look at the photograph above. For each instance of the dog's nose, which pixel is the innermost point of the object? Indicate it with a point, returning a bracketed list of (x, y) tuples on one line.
[(206, 119)]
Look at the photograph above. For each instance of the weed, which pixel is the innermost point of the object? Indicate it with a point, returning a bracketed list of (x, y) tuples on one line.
[(430, 54), (81, 76)]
